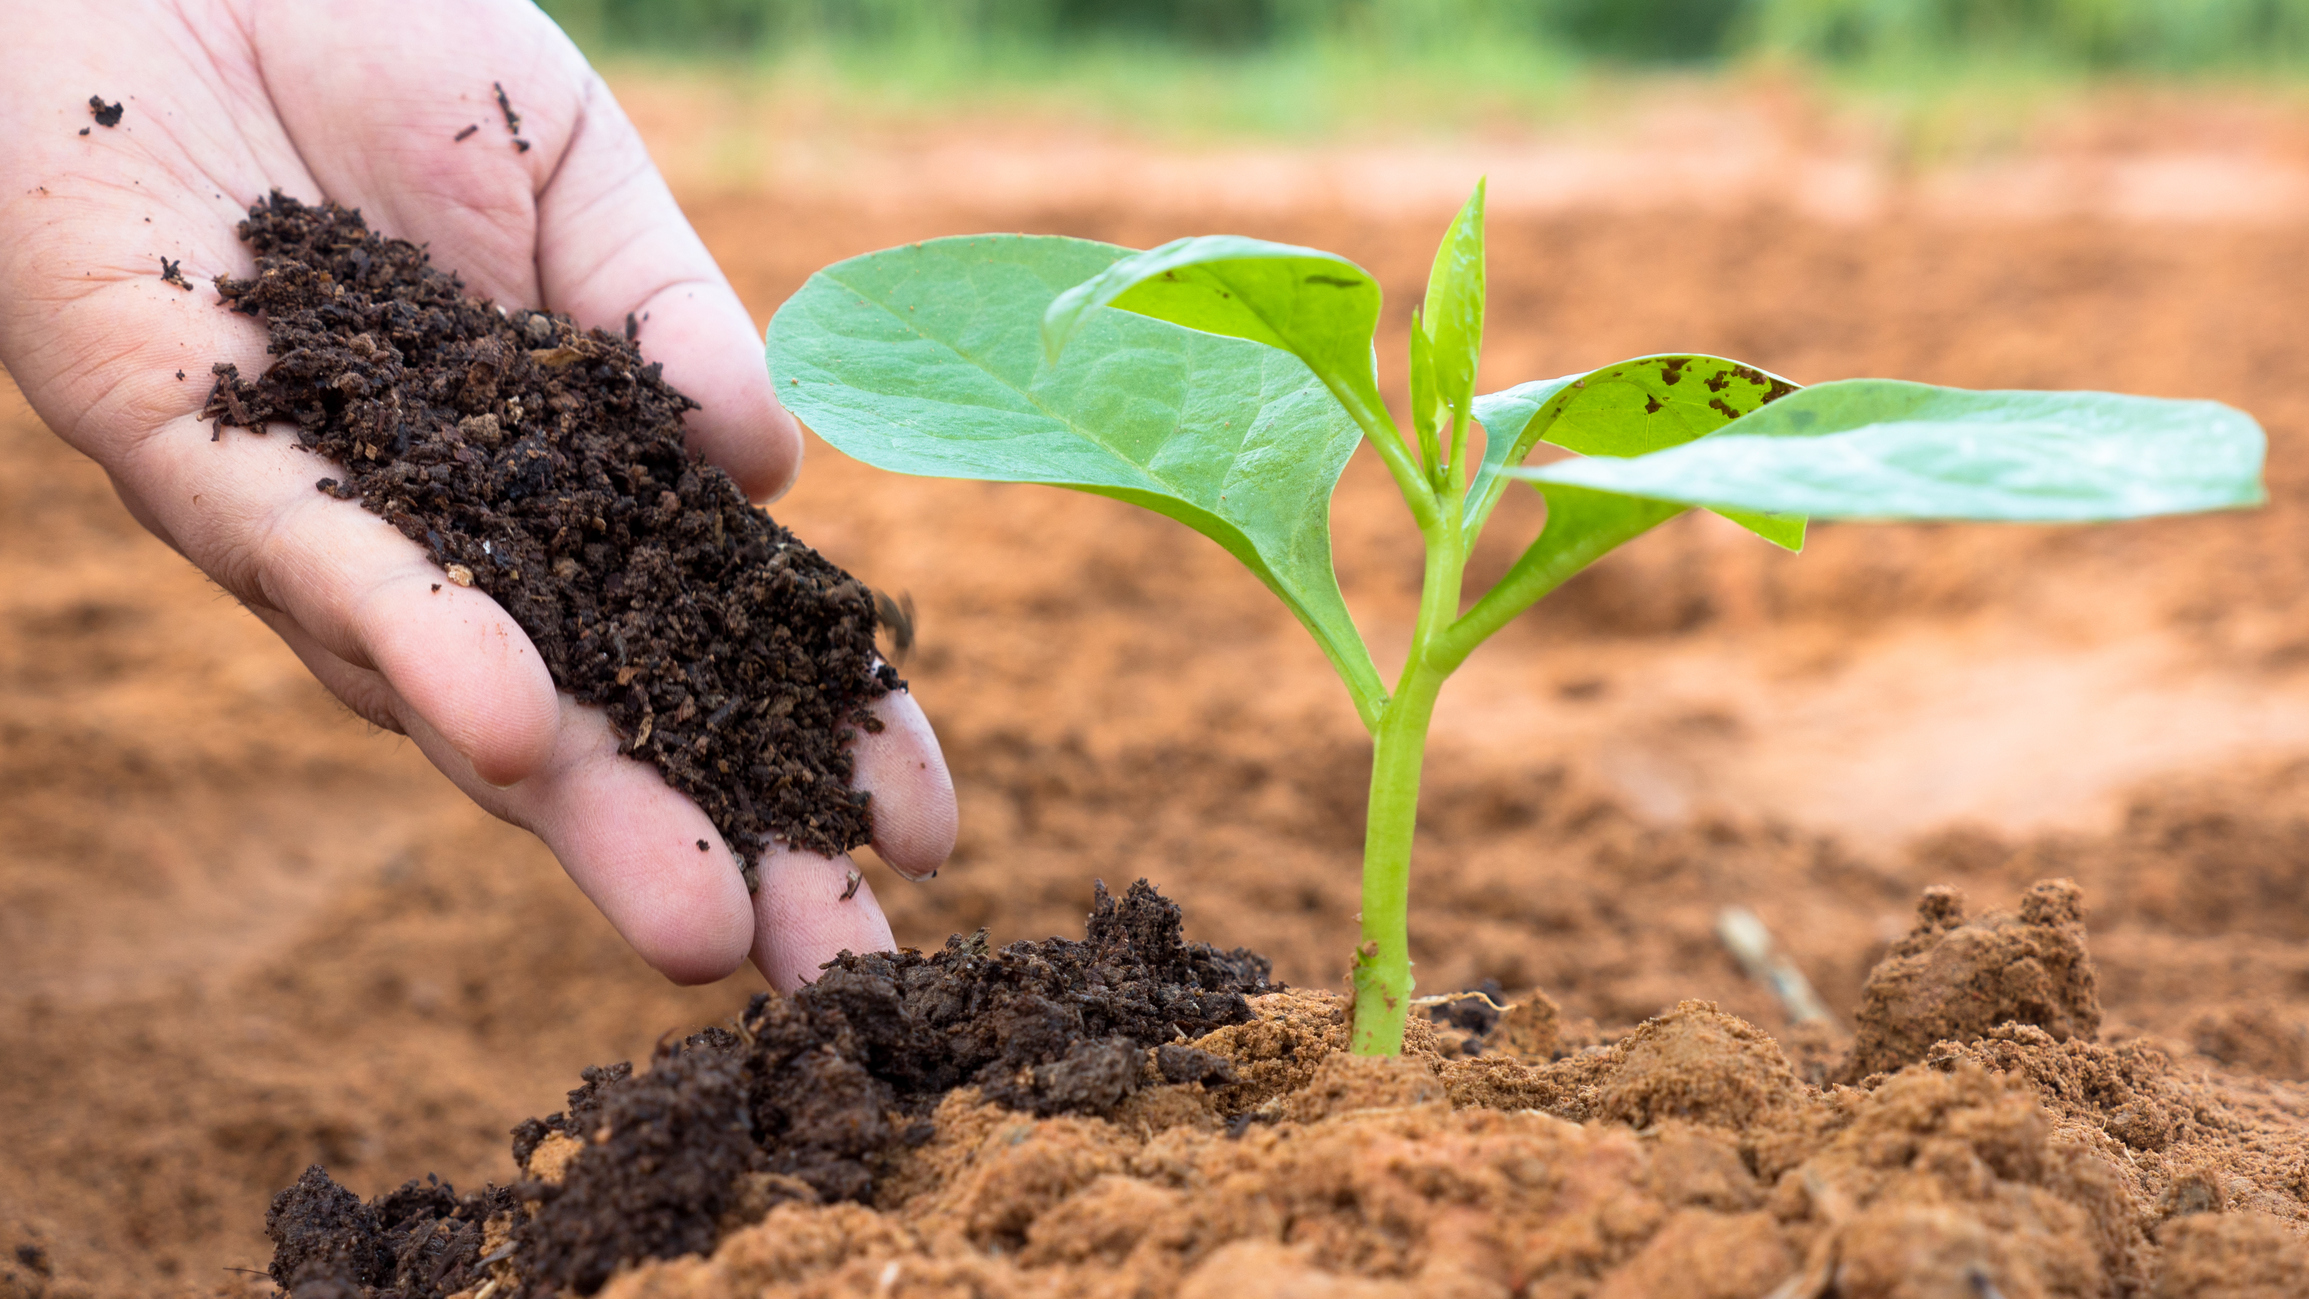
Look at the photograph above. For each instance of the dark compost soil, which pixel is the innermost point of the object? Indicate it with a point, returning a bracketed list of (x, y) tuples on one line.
[(544, 464), (808, 1099)]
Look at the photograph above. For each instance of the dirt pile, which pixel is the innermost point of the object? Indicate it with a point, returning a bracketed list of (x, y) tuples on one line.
[(808, 1097), (879, 1134), (543, 463)]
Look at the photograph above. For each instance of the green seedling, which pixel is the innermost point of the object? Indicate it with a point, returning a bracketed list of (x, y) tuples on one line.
[(1224, 381)]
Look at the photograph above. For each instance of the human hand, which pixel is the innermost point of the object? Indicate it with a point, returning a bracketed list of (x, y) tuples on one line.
[(228, 99)]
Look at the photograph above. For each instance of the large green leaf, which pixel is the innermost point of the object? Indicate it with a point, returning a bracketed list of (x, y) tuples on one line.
[(927, 359), (1882, 449), (1628, 409), (1316, 305)]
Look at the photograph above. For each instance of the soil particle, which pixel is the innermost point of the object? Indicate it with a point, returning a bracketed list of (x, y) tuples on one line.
[(105, 114), (1954, 979), (466, 134), (1187, 1064), (173, 273), (512, 119), (544, 465)]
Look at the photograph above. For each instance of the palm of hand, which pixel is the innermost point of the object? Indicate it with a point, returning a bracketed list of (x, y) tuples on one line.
[(226, 101)]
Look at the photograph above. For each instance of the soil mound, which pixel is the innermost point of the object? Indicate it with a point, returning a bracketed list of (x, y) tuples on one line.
[(544, 464), (977, 1123), (1953, 978), (807, 1098)]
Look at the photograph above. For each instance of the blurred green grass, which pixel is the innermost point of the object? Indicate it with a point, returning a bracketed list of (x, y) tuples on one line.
[(1310, 65)]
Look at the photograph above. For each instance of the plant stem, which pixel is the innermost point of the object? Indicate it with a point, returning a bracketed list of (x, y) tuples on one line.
[(1382, 977), (1370, 414)]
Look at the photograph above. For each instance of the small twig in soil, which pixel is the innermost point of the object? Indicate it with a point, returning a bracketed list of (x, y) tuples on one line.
[(1446, 998), (466, 134), (105, 114), (1744, 935), (173, 273)]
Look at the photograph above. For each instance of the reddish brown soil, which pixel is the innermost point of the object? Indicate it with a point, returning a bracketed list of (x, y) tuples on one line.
[(239, 935)]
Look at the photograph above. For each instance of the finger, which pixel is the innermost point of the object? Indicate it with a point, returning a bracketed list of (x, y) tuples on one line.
[(579, 222), (808, 910), (366, 595), (915, 819), (611, 242), (630, 843)]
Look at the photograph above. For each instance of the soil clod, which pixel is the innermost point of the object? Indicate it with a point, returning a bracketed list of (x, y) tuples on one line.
[(105, 114), (1953, 979), (544, 464)]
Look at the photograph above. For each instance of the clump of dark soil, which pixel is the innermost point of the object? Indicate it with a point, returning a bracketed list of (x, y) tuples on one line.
[(326, 1241), (544, 464), (810, 1098)]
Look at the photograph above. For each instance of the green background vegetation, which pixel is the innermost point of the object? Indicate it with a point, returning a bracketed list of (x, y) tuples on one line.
[(1933, 68), (2148, 35)]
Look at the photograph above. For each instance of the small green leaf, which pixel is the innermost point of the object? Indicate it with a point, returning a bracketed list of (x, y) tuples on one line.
[(927, 359), (1423, 395), (1628, 409), (1318, 306), (1452, 312), (1882, 449)]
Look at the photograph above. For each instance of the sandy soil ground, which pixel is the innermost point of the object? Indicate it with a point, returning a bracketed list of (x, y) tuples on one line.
[(239, 933)]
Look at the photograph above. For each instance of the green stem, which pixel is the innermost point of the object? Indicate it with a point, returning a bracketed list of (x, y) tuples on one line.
[(1382, 976), (1370, 414)]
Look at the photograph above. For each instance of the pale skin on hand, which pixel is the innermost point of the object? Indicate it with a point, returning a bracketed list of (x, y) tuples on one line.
[(229, 99)]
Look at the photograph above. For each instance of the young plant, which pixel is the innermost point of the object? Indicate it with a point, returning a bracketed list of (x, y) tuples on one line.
[(1224, 381)]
